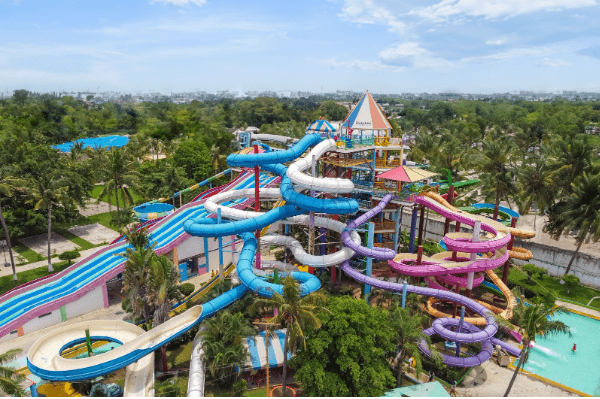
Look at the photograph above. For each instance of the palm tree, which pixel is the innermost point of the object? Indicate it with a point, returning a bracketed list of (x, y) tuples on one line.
[(536, 186), (572, 158), (50, 189), (10, 380), (409, 334), (497, 177), (156, 145), (7, 186), (119, 173), (163, 292), (296, 314), (579, 212), (533, 321), (222, 344), (135, 281)]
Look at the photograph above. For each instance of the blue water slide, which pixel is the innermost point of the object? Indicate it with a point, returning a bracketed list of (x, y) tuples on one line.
[(510, 212), (275, 156), (204, 227), (208, 309), (308, 282)]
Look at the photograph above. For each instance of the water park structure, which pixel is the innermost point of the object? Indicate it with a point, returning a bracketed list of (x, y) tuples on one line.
[(323, 182)]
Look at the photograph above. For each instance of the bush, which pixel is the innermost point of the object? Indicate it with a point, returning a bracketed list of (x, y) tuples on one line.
[(571, 283), (186, 289), (69, 256), (239, 388), (534, 271)]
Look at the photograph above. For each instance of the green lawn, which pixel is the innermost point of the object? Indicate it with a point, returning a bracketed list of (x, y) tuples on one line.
[(7, 283), (26, 253), (581, 295), (95, 193)]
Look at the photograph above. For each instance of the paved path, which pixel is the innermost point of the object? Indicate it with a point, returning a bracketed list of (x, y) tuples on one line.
[(94, 208), (8, 270), (491, 380), (578, 308), (39, 243)]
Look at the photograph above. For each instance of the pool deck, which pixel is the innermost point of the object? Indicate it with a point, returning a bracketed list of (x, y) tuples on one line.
[(580, 309), (491, 380)]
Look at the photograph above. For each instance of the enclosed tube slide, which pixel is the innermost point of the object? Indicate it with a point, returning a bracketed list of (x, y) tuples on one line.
[(197, 370)]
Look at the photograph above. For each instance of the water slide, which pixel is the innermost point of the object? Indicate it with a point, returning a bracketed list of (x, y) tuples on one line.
[(44, 358), (441, 326), (27, 302)]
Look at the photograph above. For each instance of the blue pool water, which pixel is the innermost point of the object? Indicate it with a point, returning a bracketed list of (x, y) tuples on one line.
[(552, 357)]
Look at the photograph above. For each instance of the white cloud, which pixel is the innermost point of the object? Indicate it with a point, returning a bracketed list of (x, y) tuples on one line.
[(180, 3), (360, 64), (553, 63), (497, 41), (367, 12), (495, 9)]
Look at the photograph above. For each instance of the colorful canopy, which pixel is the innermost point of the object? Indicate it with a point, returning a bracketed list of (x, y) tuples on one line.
[(406, 174), (321, 126), (257, 350), (367, 115)]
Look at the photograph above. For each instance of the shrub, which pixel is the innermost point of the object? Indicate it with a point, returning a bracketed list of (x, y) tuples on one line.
[(69, 256), (239, 388), (533, 270), (186, 289), (571, 283)]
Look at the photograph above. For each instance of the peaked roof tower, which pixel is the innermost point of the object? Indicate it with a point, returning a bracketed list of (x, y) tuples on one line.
[(367, 115)]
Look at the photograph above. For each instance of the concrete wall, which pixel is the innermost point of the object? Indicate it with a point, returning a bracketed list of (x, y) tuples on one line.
[(553, 259), (91, 301)]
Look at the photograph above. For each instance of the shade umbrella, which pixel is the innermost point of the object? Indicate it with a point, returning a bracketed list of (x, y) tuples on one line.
[(406, 174), (321, 126)]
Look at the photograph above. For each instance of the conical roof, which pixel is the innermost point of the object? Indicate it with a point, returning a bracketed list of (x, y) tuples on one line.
[(322, 126), (367, 115)]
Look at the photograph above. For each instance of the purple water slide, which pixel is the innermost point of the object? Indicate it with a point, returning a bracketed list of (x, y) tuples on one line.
[(474, 334), (376, 253), (462, 281), (462, 244)]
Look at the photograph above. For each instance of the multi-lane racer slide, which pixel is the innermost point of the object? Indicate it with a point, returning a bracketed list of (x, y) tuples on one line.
[(25, 303)]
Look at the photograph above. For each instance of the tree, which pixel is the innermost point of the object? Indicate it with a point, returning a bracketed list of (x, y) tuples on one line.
[(10, 380), (50, 189), (536, 186), (408, 334), (571, 283), (533, 321), (119, 172), (7, 186), (296, 314), (571, 158), (222, 345), (493, 161), (194, 157), (349, 354), (163, 292), (577, 213)]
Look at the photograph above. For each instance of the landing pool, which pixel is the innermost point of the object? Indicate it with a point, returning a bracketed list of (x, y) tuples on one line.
[(553, 359)]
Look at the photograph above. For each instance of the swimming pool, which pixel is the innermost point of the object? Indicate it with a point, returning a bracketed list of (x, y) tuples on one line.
[(553, 359)]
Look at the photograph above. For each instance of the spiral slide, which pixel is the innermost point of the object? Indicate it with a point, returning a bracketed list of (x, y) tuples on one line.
[(27, 302), (440, 326)]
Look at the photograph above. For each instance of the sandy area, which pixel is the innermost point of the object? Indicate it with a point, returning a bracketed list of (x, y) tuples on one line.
[(93, 208)]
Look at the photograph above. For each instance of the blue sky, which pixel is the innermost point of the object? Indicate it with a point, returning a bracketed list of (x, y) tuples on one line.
[(386, 46)]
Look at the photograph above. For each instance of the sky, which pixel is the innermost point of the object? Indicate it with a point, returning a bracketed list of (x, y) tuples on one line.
[(385, 46)]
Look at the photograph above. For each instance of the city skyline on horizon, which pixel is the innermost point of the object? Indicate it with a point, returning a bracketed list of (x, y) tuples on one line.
[(171, 46)]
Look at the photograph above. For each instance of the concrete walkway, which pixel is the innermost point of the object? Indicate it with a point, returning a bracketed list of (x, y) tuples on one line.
[(94, 208), (4, 271)]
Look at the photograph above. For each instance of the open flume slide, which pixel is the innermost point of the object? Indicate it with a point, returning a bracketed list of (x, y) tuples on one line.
[(32, 300), (44, 358)]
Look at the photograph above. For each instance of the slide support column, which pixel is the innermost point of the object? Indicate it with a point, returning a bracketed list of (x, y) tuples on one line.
[(370, 235)]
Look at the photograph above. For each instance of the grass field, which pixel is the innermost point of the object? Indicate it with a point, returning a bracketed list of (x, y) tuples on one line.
[(581, 294), (7, 283), (29, 254), (95, 193)]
